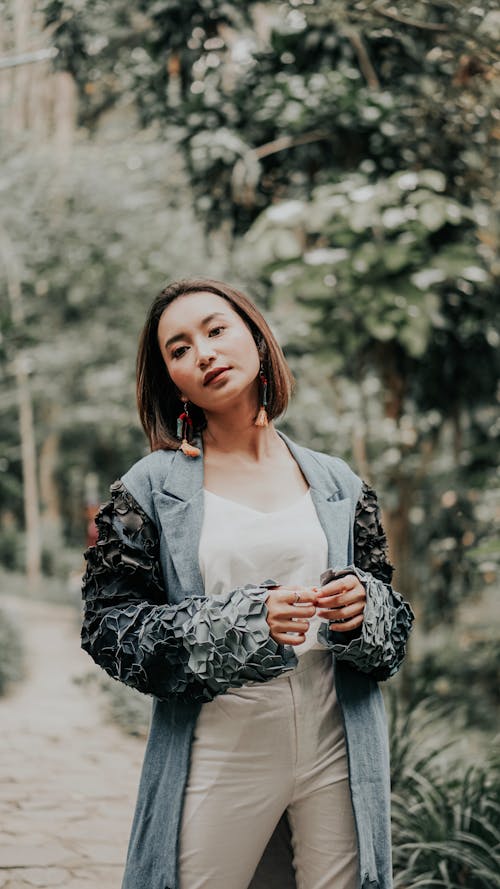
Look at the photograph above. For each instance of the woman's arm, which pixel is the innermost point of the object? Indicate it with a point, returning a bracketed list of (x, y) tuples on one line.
[(196, 649), (378, 646)]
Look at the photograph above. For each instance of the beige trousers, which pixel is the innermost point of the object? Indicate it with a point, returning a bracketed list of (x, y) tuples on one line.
[(258, 751)]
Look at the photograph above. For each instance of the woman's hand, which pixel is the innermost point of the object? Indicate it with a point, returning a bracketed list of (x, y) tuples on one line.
[(287, 616), (344, 600)]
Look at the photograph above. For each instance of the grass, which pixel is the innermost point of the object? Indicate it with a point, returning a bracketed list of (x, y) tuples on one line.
[(445, 813)]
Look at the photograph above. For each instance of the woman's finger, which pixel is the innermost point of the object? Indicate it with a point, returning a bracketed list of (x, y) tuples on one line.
[(298, 612), (339, 600), (288, 639), (291, 626), (339, 587), (346, 611), (348, 625), (281, 608), (295, 596), (342, 584)]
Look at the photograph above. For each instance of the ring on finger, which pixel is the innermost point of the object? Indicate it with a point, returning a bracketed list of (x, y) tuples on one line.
[(297, 597)]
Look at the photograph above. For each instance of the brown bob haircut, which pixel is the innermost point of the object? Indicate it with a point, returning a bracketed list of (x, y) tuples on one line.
[(157, 396)]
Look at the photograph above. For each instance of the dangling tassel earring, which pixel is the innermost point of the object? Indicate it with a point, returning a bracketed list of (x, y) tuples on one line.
[(262, 415), (184, 431)]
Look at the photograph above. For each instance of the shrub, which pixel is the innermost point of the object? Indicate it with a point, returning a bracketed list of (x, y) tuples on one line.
[(464, 678), (126, 707), (11, 653), (446, 817)]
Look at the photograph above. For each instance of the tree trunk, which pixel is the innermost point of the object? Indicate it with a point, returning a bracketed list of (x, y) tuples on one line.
[(64, 115), (26, 422), (51, 524), (21, 76), (30, 487)]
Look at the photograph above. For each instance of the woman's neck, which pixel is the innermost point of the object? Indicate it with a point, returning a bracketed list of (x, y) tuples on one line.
[(244, 439)]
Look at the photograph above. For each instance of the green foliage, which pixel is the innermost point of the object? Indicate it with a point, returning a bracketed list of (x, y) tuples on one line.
[(11, 652), (454, 523), (461, 679), (446, 831), (134, 48), (445, 818), (391, 261), (333, 83)]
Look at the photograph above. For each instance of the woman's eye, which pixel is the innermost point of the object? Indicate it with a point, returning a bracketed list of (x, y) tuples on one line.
[(178, 352), (216, 330)]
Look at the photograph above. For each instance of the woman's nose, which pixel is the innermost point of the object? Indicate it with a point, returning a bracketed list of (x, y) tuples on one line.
[(206, 353)]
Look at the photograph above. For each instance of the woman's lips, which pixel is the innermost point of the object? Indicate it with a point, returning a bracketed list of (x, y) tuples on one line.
[(217, 375)]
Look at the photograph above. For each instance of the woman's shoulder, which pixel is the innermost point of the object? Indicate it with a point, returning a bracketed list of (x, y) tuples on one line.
[(338, 468), (334, 463), (331, 467), (147, 475), (149, 465)]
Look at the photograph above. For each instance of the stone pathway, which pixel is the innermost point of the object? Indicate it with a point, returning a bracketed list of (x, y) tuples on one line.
[(68, 779)]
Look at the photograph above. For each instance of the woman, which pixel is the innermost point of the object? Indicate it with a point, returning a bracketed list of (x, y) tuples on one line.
[(242, 581)]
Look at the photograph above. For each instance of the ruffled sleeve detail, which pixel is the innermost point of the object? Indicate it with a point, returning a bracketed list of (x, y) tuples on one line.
[(378, 646), (370, 541), (196, 649)]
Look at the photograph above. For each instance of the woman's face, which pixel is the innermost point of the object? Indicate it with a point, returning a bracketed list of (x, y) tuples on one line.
[(199, 334)]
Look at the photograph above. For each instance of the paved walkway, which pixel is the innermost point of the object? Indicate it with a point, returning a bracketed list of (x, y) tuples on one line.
[(68, 780)]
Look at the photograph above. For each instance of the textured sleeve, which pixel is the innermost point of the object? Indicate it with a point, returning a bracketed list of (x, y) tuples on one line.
[(378, 646), (196, 649), (370, 541)]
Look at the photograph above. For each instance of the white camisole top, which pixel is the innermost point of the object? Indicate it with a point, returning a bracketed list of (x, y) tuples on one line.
[(241, 545)]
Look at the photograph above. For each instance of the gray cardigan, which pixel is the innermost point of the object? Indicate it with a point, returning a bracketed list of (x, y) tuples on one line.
[(188, 649)]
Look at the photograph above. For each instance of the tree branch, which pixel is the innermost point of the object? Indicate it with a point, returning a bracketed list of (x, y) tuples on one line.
[(290, 142), (365, 64), (412, 23), (28, 58)]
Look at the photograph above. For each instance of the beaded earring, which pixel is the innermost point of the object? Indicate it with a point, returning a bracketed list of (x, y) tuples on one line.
[(185, 432), (262, 415)]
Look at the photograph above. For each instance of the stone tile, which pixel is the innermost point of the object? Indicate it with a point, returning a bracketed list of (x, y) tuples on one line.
[(36, 838), (96, 882), (14, 791), (20, 855), (104, 878), (95, 831), (94, 874), (44, 876), (100, 853), (17, 884)]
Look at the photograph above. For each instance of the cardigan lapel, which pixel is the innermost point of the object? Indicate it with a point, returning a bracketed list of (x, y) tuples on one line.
[(181, 506), (333, 509)]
